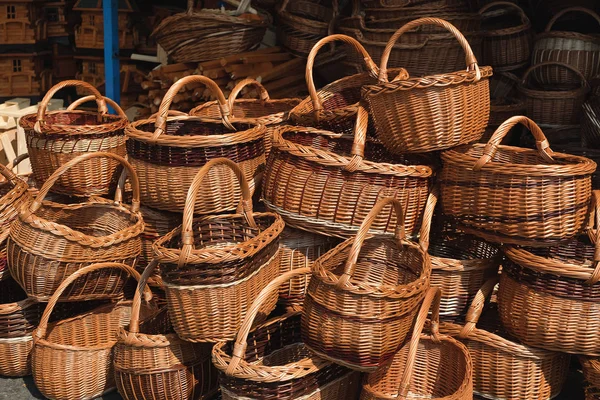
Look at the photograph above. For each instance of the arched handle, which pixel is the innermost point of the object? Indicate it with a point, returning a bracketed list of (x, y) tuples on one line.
[(477, 305), (492, 146), (245, 206), (134, 322), (191, 4), (584, 82), (163, 111), (40, 332), (363, 232), (41, 114), (371, 66), (524, 18), (568, 10), (360, 138), (264, 95), (108, 101), (428, 217), (135, 183), (470, 59), (432, 298), (241, 341), (17, 161)]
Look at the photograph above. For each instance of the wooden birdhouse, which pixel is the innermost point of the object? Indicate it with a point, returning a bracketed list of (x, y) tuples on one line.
[(56, 20), (90, 33), (24, 74), (21, 22)]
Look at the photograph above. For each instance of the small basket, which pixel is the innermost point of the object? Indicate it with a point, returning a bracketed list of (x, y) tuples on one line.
[(506, 194), (213, 267), (72, 359), (50, 241), (504, 368), (430, 366), (57, 137), (434, 112), (273, 363), (364, 294), (554, 107), (167, 151), (590, 123)]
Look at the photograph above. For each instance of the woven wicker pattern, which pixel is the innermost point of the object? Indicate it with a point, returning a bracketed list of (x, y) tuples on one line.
[(512, 195), (384, 4), (50, 241), (590, 123), (434, 112), (591, 370), (156, 224)]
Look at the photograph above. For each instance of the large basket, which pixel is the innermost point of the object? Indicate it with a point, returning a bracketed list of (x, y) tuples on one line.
[(554, 107), (580, 51), (512, 195), (504, 368), (430, 366), (55, 138), (273, 363), (167, 152), (72, 359), (50, 241), (590, 123), (214, 266), (364, 294), (152, 362), (434, 112), (327, 183)]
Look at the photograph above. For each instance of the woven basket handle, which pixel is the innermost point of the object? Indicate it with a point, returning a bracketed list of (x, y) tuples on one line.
[(432, 298), (524, 18), (312, 90), (471, 61), (584, 82), (134, 322), (568, 10), (264, 95), (135, 183), (428, 217), (163, 111), (40, 332), (241, 341), (492, 146), (363, 232), (108, 101), (476, 307), (245, 206)]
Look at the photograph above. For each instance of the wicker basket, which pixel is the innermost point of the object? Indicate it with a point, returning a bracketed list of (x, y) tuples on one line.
[(504, 368), (431, 113), (374, 13), (590, 123), (592, 154), (384, 4), (580, 51), (368, 290), (591, 370), (156, 224), (263, 111), (327, 183), (512, 195), (167, 152), (151, 362), (214, 266), (554, 107), (273, 363), (50, 241), (72, 359), (431, 366), (55, 138)]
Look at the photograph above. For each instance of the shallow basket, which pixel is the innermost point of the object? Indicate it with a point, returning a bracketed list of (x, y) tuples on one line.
[(364, 294), (57, 137), (512, 195), (50, 241), (214, 266), (168, 151)]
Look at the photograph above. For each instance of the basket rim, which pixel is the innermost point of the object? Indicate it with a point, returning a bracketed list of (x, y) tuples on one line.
[(28, 123), (21, 305), (574, 36), (144, 340), (268, 119)]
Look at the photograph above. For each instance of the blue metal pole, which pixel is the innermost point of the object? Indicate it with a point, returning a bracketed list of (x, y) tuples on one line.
[(111, 49)]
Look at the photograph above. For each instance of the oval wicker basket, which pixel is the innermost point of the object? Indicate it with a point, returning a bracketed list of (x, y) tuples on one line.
[(512, 195), (214, 266), (167, 152), (55, 138), (367, 288), (50, 241), (434, 112)]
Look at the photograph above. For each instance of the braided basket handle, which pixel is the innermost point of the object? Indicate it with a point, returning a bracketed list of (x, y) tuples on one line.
[(241, 341), (371, 66), (561, 13), (425, 231), (245, 206), (363, 232), (524, 80), (134, 322), (492, 146), (470, 59), (477, 305), (506, 4), (432, 298), (163, 111), (135, 183), (264, 95), (108, 101), (40, 332)]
